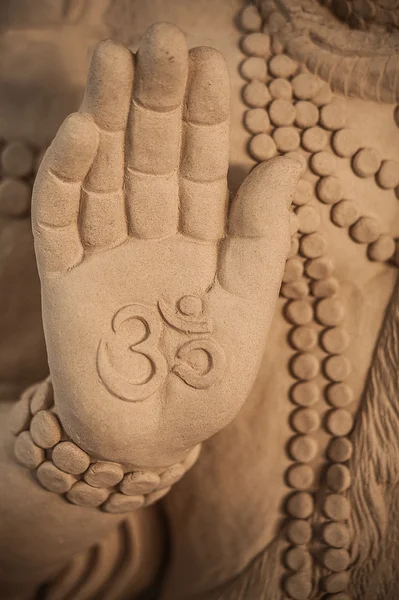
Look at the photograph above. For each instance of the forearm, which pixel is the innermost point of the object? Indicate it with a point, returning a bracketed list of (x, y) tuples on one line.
[(41, 531)]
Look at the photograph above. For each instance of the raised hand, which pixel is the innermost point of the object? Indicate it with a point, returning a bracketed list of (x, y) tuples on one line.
[(156, 305)]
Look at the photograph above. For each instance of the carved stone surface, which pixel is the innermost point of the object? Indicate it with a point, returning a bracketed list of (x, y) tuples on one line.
[(156, 306)]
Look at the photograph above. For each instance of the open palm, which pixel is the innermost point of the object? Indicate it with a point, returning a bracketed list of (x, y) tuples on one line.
[(155, 304)]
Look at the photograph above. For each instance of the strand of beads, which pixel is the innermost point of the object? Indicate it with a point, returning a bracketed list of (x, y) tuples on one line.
[(62, 467), (334, 340), (292, 112), (273, 119), (305, 421), (365, 162)]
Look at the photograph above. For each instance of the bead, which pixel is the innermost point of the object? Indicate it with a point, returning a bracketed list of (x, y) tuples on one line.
[(339, 422), (339, 394), (300, 505), (305, 420), (313, 245), (297, 559), (366, 230), (338, 478), (280, 89), (299, 531), (17, 159), (250, 19), (70, 458), (305, 393), (323, 96), (254, 68), (293, 223), (139, 482), (256, 44), (303, 338), (43, 397), (345, 143), (320, 268), (83, 494), (337, 368), (336, 559), (262, 147), (308, 219), (282, 66), (332, 116), (275, 22), (336, 582), (20, 416), (103, 474), (256, 94), (388, 174), (172, 475), (294, 290), (330, 311), (303, 448), (382, 249), (337, 507), (335, 340), (26, 451), (153, 497), (14, 197), (323, 163), (344, 213), (340, 450), (293, 270), (53, 479), (30, 391), (305, 366), (119, 503), (294, 247), (314, 139), (277, 46), (336, 534), (366, 162), (299, 158), (256, 120), (286, 138), (303, 192), (305, 86), (329, 190), (300, 477), (299, 312), (325, 288), (45, 429), (306, 114), (298, 586), (281, 112)]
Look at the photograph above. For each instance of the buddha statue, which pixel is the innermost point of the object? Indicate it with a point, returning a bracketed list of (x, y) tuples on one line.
[(201, 401)]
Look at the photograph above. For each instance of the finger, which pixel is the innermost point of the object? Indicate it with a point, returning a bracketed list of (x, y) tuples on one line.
[(107, 100), (153, 141), (253, 255), (205, 148), (57, 191)]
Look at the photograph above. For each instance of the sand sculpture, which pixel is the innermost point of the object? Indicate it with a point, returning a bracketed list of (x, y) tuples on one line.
[(215, 416)]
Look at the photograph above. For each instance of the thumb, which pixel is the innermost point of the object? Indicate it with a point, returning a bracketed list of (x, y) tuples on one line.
[(253, 255)]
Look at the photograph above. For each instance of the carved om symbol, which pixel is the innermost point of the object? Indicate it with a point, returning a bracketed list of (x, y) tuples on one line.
[(133, 368)]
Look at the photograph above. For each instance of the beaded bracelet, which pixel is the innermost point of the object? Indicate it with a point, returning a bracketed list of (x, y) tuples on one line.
[(62, 467)]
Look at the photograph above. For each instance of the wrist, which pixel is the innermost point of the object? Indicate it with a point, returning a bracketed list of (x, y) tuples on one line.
[(62, 466)]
